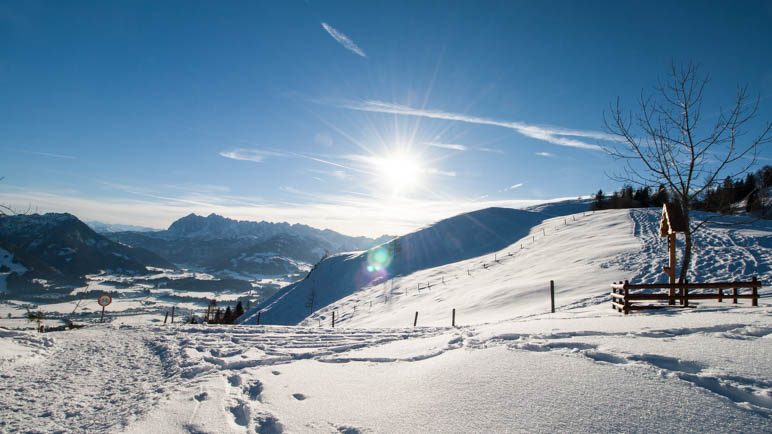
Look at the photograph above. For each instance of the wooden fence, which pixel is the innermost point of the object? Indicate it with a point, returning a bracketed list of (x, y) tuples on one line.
[(622, 298)]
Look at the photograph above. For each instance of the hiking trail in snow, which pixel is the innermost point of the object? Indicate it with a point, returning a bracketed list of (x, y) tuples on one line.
[(93, 380)]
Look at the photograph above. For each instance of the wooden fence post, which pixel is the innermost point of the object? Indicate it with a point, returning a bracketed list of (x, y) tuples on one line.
[(734, 294), (552, 295), (166, 317), (720, 295), (613, 291), (626, 307), (258, 317), (333, 319), (172, 314), (415, 320), (755, 293), (685, 292), (453, 322)]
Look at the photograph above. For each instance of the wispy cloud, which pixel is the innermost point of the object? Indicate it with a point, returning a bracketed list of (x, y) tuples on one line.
[(43, 154), (512, 187), (254, 155), (495, 151), (550, 134), (545, 154), (449, 146), (343, 40)]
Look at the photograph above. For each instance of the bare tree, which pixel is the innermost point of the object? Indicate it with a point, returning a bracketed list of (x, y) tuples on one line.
[(666, 140)]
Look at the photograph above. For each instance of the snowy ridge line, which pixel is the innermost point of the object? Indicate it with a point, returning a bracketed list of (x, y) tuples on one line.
[(531, 225), (645, 265), (386, 291)]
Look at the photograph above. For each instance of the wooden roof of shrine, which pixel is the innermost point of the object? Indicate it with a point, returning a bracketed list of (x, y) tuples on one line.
[(673, 220)]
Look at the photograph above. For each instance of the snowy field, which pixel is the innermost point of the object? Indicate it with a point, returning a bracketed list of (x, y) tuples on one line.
[(508, 366)]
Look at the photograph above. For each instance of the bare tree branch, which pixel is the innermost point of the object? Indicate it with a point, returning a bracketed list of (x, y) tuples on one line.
[(665, 142)]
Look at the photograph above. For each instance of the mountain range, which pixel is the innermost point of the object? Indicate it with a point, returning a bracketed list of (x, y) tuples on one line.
[(219, 244), (52, 253)]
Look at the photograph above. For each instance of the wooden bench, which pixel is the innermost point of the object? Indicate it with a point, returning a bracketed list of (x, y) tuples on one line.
[(622, 299)]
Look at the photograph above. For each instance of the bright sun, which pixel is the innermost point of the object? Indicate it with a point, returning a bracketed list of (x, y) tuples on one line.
[(401, 171)]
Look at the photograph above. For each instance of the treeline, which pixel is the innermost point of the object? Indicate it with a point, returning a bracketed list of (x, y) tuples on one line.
[(627, 197), (216, 315), (746, 194)]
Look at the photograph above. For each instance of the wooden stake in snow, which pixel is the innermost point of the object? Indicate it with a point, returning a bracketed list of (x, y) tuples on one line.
[(552, 295), (172, 314), (543, 232), (453, 322), (415, 320), (258, 317), (333, 319), (166, 317)]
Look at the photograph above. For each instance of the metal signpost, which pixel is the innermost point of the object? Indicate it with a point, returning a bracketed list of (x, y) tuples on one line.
[(103, 301)]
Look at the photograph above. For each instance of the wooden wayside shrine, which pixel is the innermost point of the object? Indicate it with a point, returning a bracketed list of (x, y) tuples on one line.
[(672, 223)]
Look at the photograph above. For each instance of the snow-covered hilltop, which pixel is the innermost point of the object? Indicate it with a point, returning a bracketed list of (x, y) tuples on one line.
[(583, 253), (454, 239)]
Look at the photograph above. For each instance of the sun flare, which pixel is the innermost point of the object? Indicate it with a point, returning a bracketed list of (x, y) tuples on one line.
[(400, 171)]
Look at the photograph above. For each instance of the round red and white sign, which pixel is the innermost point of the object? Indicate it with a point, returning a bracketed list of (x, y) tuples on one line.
[(104, 300)]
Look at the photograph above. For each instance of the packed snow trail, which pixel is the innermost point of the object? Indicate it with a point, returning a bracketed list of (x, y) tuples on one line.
[(94, 380)]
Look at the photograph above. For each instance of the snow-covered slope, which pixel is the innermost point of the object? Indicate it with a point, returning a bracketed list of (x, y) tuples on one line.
[(582, 253), (457, 238)]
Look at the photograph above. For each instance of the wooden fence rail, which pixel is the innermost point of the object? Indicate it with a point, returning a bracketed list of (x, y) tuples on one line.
[(622, 299)]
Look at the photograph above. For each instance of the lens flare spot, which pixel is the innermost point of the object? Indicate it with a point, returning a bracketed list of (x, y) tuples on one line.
[(378, 259)]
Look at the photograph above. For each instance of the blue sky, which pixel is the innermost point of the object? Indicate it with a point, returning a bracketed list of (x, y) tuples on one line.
[(363, 117)]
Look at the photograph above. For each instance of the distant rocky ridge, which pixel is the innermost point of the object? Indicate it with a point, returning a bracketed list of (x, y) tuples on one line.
[(219, 244)]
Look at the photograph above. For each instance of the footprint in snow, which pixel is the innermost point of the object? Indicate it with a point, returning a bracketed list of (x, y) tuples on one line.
[(344, 429), (240, 411), (235, 380), (267, 424), (253, 390)]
